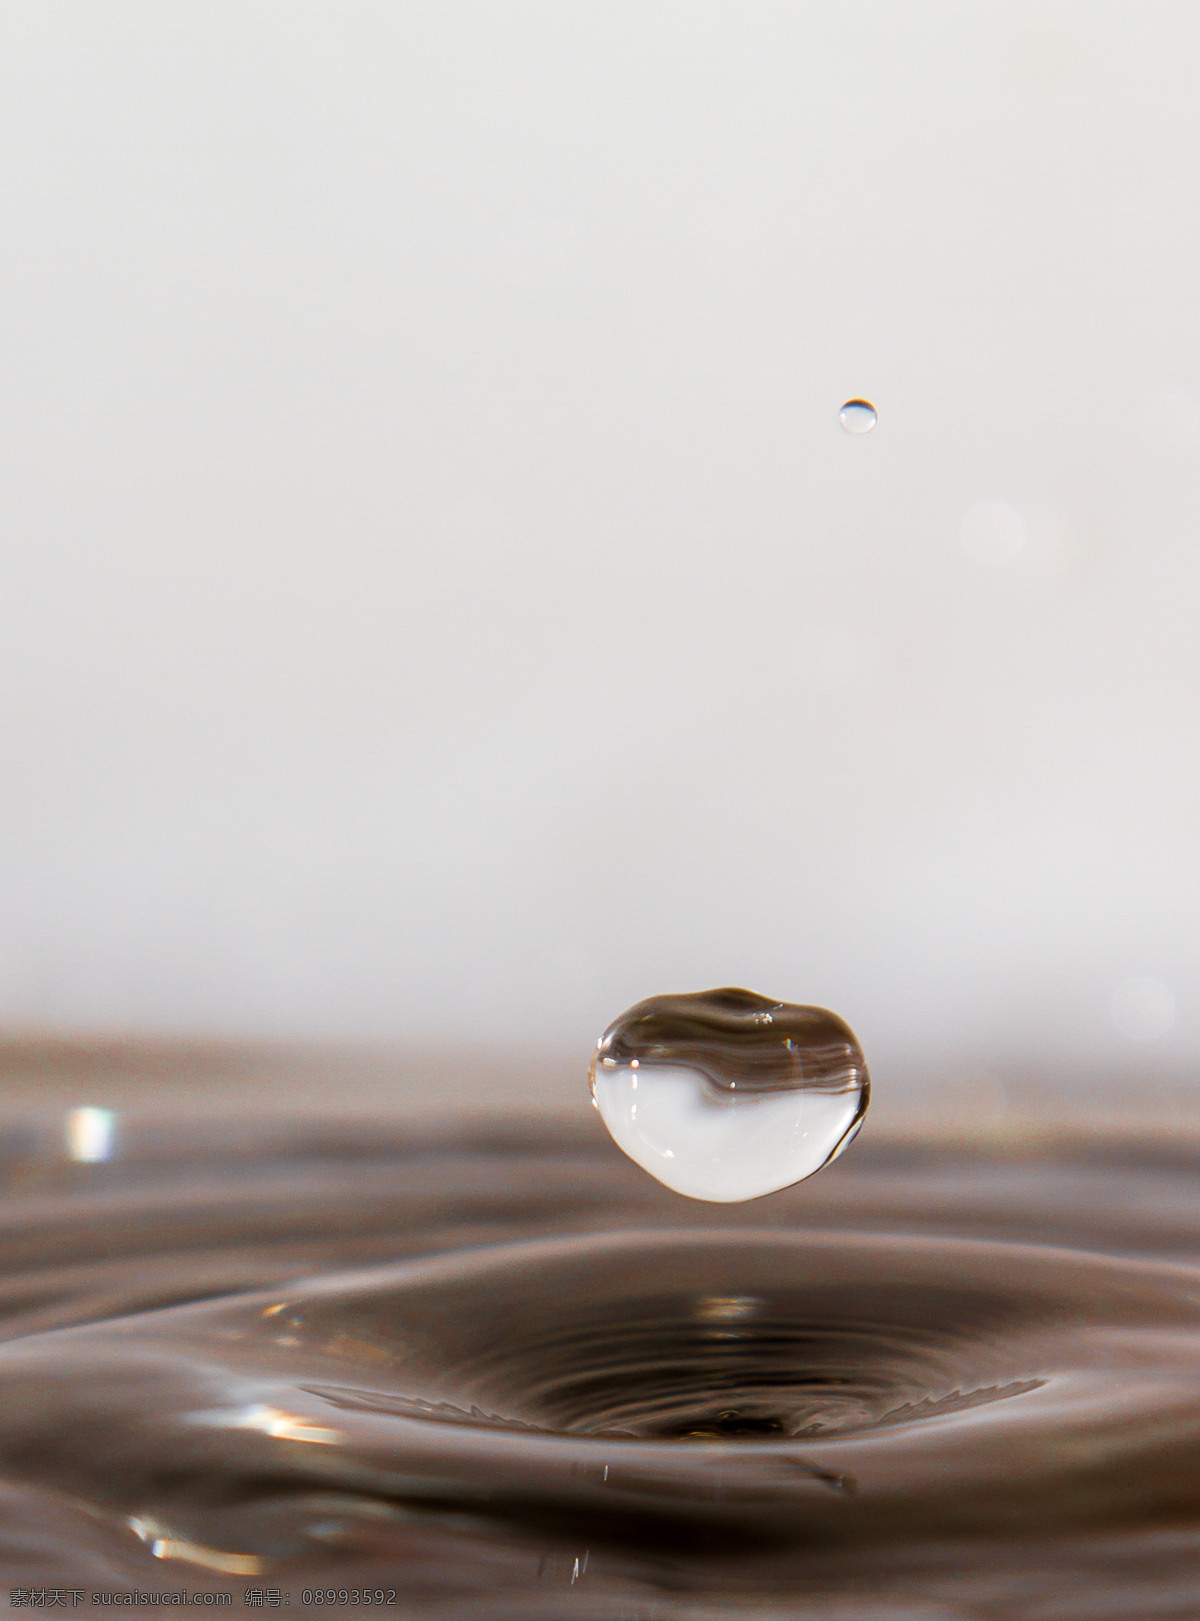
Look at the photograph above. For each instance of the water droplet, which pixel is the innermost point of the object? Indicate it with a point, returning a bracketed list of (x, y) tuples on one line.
[(729, 1104), (89, 1135), (858, 416)]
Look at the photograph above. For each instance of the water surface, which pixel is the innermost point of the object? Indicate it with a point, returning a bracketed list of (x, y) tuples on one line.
[(503, 1373)]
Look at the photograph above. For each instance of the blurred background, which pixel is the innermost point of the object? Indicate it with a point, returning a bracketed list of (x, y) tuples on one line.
[(439, 605)]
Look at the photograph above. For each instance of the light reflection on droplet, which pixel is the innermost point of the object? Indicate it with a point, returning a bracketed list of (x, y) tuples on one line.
[(89, 1135), (858, 416)]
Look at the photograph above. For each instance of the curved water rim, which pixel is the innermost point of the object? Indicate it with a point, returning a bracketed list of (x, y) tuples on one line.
[(1083, 1370)]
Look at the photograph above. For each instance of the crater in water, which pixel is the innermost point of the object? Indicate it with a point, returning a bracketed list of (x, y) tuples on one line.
[(512, 1377)]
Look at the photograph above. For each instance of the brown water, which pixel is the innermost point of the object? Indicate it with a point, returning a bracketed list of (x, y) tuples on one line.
[(506, 1375)]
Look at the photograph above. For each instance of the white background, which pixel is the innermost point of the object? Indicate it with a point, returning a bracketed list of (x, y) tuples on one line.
[(437, 599)]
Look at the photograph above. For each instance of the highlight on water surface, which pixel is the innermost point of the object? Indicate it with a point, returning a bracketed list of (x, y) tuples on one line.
[(726, 1095), (88, 1135)]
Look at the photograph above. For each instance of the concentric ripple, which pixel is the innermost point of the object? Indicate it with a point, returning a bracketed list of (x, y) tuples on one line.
[(638, 1423), (846, 1385)]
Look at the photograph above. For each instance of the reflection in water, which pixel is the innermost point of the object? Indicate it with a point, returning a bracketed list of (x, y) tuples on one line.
[(509, 1376), (89, 1135)]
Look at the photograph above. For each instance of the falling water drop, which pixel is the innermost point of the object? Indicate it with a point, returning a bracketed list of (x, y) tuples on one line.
[(858, 416), (727, 1095)]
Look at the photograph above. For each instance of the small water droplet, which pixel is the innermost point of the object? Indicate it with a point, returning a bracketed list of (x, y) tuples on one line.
[(858, 416), (729, 1105)]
